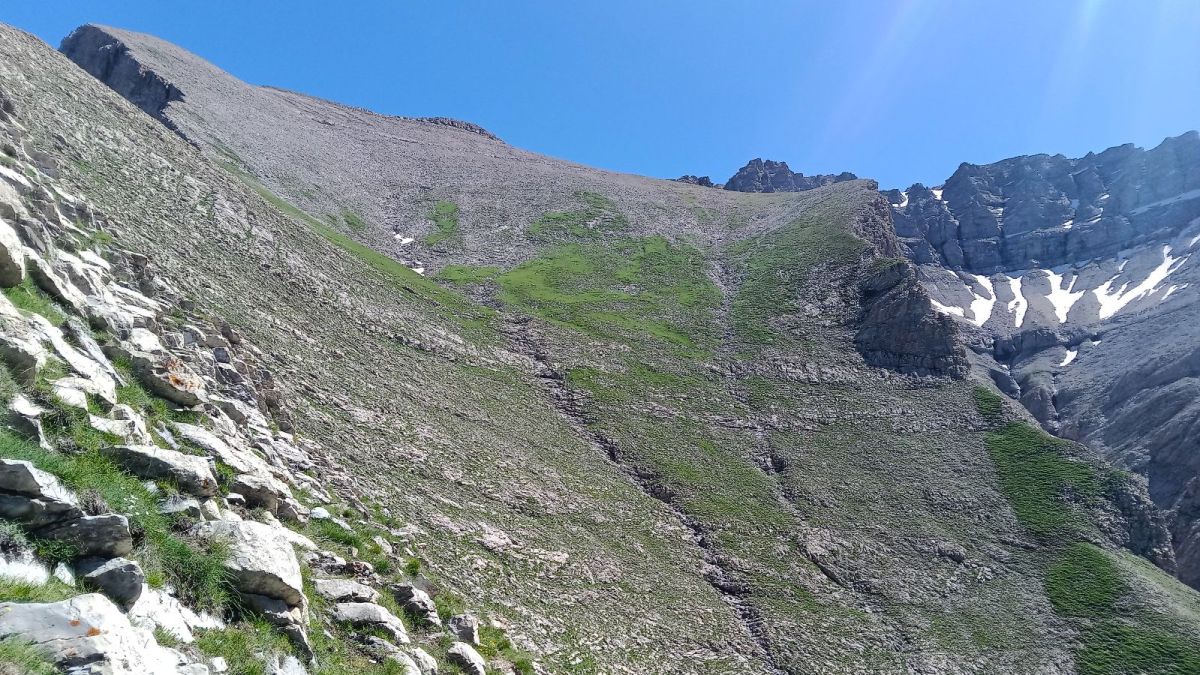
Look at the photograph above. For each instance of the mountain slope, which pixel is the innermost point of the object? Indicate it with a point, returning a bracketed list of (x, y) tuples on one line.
[(638, 420)]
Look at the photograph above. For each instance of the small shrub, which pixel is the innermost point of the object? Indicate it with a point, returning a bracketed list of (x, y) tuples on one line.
[(412, 567)]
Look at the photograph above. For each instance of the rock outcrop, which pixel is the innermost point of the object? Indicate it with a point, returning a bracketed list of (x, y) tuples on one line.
[(899, 330), (1048, 210), (107, 59), (761, 175)]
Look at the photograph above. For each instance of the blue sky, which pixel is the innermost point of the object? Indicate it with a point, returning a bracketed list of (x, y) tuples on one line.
[(898, 90)]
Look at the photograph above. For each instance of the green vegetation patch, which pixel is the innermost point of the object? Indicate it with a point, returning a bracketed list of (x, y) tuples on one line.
[(467, 275), (989, 404), (598, 216), (1086, 584), (445, 223), (1083, 582), (628, 289), (777, 266), (22, 658), (355, 222), (1040, 478), (28, 297)]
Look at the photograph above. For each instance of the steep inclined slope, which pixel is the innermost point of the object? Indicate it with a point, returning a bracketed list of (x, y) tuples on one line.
[(1079, 280), (644, 423)]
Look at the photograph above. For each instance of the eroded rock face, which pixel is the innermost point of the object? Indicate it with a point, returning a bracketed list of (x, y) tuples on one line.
[(898, 328), (107, 59), (770, 176), (1041, 211)]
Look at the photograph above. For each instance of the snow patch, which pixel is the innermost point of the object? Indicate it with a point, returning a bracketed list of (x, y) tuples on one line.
[(1069, 224), (419, 270), (981, 306), (1018, 305), (1062, 298), (1112, 301), (1071, 354), (937, 194), (903, 201), (946, 309), (404, 241)]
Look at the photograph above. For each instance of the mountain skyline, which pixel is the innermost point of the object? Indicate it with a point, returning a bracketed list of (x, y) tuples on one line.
[(700, 89)]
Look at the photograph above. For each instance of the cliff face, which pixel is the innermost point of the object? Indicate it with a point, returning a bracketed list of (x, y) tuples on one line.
[(1076, 282), (899, 330), (1044, 211), (107, 59)]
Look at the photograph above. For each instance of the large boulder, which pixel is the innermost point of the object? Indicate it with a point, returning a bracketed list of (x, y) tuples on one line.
[(369, 615), (120, 579), (191, 472), (105, 536), (417, 602), (261, 559), (169, 377), (464, 656), (88, 635), (465, 627)]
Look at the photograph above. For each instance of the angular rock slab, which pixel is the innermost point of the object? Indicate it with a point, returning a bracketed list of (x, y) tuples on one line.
[(369, 615), (261, 559), (105, 536), (465, 657), (89, 634), (191, 472), (169, 378), (345, 590)]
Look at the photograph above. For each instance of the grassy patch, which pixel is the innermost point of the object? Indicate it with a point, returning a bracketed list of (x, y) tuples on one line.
[(353, 221), (628, 289), (1115, 648), (20, 591), (28, 297), (597, 216), (1041, 479), (245, 646), (467, 274), (777, 267), (989, 404), (22, 658), (445, 223), (1083, 582), (493, 643)]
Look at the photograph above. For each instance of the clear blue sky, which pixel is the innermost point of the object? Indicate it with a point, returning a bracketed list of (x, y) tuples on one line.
[(898, 90)]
